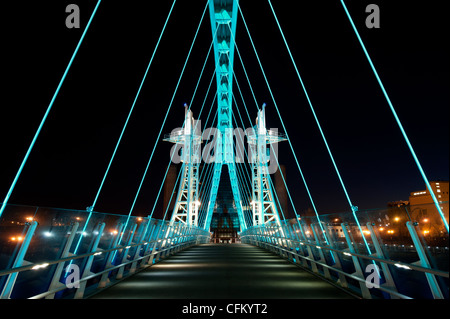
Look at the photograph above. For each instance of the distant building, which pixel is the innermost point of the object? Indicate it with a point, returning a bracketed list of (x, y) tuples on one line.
[(280, 189), (398, 203), (423, 209), (440, 189)]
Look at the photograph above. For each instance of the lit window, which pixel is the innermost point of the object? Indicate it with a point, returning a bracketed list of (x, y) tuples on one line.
[(437, 183), (439, 196), (438, 190)]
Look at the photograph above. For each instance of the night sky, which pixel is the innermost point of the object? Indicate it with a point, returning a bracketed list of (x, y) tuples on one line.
[(68, 162)]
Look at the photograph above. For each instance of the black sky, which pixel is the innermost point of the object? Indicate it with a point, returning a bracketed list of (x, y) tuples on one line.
[(74, 148)]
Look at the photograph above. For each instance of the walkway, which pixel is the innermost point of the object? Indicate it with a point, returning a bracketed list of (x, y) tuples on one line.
[(213, 271)]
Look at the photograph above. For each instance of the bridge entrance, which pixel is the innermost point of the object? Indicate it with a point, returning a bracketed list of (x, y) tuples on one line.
[(225, 220)]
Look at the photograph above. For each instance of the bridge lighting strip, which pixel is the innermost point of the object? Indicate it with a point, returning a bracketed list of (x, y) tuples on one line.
[(30, 148), (419, 166)]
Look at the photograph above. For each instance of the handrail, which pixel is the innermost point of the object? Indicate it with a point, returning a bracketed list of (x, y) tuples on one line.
[(387, 261), (31, 266), (337, 270), (53, 291)]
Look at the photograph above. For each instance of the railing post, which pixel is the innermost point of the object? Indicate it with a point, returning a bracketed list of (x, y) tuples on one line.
[(337, 261), (145, 262), (423, 261), (125, 252), (55, 283), (300, 247), (289, 236), (379, 253), (138, 248), (322, 259), (358, 270), (158, 244), (109, 260), (176, 239), (87, 270), (9, 284)]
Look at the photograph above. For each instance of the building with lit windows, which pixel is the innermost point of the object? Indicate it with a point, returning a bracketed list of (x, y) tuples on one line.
[(423, 209)]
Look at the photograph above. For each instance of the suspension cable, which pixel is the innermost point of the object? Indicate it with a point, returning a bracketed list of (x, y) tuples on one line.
[(91, 209), (30, 148), (397, 119)]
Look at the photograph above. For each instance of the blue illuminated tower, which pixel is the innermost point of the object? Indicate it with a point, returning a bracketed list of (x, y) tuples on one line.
[(187, 203), (263, 201), (223, 14)]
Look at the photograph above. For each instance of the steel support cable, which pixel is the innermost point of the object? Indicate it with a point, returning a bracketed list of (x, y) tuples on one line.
[(167, 113), (242, 97), (189, 107), (168, 109), (91, 209), (38, 131), (132, 108), (209, 169), (251, 88), (210, 172), (270, 180), (352, 207), (209, 153), (247, 187), (206, 192), (176, 180), (242, 122), (243, 187), (242, 139), (282, 212), (171, 196), (245, 151), (250, 122), (165, 176), (201, 110), (397, 119), (295, 211), (282, 123), (240, 116)]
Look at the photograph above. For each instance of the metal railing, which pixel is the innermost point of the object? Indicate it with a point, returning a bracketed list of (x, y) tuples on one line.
[(58, 253), (401, 259)]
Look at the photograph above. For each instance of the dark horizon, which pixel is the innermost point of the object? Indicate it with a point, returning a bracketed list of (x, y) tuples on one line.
[(71, 155)]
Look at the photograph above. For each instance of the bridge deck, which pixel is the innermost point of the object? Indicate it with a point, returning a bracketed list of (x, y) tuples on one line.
[(214, 271)]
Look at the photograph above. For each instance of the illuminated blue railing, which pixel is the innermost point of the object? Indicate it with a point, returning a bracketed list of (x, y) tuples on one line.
[(409, 244), (36, 245)]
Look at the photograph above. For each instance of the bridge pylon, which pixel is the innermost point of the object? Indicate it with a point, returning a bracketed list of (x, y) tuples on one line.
[(263, 202), (187, 204)]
